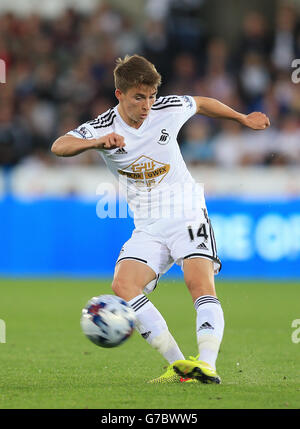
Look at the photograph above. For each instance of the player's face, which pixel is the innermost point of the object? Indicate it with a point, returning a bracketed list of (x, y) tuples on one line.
[(135, 104)]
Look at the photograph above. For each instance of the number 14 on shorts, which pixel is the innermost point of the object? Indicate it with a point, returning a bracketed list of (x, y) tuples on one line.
[(200, 232)]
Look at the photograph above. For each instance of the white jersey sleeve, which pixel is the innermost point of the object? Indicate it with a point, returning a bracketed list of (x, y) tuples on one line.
[(95, 128), (183, 107), (84, 131)]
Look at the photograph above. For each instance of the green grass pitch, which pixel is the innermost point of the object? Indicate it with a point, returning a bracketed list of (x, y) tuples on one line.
[(46, 361)]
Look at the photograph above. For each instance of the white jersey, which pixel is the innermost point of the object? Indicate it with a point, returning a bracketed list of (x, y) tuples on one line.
[(150, 166)]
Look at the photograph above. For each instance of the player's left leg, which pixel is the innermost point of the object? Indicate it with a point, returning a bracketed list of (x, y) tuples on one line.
[(199, 278)]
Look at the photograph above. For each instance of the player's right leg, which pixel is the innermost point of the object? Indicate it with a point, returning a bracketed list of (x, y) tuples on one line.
[(130, 278)]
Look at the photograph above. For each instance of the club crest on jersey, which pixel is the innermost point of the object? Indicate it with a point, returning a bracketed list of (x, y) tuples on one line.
[(164, 137)]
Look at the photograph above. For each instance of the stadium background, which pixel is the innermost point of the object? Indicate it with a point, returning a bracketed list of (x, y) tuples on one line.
[(59, 58)]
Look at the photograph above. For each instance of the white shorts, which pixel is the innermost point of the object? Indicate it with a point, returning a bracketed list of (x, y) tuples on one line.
[(164, 242)]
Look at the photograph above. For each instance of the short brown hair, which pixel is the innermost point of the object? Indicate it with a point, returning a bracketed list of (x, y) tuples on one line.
[(135, 70)]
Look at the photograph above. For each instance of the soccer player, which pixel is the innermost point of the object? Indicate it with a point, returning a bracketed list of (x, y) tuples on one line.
[(138, 141)]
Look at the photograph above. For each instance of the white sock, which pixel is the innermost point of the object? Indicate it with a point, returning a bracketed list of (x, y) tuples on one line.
[(210, 328), (152, 326)]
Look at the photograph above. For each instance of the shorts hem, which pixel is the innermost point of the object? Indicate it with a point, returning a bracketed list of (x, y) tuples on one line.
[(157, 273), (216, 260), (132, 257)]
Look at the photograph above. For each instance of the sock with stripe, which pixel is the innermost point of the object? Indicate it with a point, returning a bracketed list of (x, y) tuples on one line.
[(153, 328), (210, 328)]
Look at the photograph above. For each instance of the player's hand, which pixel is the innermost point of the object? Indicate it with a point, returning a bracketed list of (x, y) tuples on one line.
[(110, 141), (256, 121)]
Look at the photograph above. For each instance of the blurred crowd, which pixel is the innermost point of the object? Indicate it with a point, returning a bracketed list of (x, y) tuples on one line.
[(59, 74)]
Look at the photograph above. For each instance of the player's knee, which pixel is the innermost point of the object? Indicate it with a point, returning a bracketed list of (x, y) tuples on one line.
[(124, 288), (118, 286)]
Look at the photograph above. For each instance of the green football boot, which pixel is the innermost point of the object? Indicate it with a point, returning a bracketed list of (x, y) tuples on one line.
[(197, 370)]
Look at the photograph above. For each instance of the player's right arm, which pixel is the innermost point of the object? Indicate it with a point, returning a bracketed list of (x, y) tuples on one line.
[(69, 145)]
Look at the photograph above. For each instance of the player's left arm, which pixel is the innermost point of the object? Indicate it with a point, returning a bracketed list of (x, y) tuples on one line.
[(215, 109)]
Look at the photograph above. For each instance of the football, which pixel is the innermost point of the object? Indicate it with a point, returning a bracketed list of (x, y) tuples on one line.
[(107, 320)]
